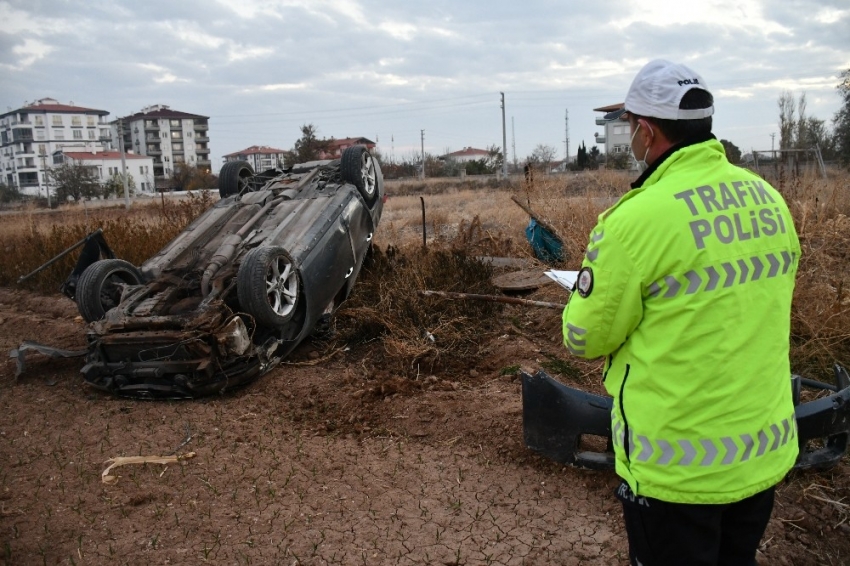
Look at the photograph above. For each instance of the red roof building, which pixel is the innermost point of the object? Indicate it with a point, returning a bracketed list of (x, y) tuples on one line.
[(261, 157), (336, 147)]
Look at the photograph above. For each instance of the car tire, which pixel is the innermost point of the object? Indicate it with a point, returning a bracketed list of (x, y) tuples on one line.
[(358, 168), (268, 286), (234, 178), (101, 285)]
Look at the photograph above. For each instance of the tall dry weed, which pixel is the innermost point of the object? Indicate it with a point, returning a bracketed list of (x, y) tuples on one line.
[(31, 240)]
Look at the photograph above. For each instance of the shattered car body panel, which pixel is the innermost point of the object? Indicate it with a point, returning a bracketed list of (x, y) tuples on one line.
[(243, 285), (557, 418)]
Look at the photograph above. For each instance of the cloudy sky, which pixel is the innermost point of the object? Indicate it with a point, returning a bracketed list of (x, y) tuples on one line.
[(388, 70)]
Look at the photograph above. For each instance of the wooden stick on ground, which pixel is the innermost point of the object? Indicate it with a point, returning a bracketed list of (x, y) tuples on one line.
[(492, 298)]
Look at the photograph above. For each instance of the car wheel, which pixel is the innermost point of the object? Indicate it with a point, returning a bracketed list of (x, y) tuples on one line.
[(234, 178), (268, 286), (358, 168), (101, 285)]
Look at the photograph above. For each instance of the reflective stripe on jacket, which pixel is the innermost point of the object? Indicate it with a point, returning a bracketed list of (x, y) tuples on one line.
[(690, 278)]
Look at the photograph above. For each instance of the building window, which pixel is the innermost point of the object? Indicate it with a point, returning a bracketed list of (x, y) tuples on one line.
[(57, 120), (58, 134), (177, 147), (76, 121), (42, 149), (619, 130), (90, 120), (175, 123), (104, 133), (177, 135), (78, 134), (91, 134), (39, 120), (141, 170), (39, 134)]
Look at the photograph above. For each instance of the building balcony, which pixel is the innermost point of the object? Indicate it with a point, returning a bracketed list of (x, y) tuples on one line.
[(599, 139), (21, 123), (204, 162), (201, 126), (202, 150), (154, 152), (202, 139), (151, 127), (601, 121)]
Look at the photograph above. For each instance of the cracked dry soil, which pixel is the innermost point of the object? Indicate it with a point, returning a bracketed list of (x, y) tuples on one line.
[(329, 463)]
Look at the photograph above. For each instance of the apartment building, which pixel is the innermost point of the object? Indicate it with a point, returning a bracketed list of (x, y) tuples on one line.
[(169, 137), (30, 135), (261, 157)]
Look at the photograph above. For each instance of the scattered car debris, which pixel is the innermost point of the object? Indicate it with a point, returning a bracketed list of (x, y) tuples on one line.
[(556, 417), (238, 289)]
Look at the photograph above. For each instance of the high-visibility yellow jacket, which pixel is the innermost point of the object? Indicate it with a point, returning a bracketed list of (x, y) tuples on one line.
[(686, 287)]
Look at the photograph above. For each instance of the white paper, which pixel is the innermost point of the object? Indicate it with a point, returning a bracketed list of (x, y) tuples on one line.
[(565, 279)]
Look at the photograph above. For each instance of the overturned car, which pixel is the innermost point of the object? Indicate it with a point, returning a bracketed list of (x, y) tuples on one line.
[(240, 287)]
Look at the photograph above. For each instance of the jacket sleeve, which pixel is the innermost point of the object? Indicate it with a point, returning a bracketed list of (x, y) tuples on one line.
[(601, 314)]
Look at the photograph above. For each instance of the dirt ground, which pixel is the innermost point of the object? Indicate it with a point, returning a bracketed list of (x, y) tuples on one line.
[(322, 461)]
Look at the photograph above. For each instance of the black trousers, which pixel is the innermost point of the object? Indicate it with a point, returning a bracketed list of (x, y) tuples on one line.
[(682, 534)]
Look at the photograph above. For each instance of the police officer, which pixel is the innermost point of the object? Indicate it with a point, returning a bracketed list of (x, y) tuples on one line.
[(686, 290)]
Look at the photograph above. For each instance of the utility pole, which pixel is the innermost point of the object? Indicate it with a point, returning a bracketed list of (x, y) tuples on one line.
[(567, 139), (513, 142), (772, 152), (422, 173), (504, 141), (44, 176), (123, 163)]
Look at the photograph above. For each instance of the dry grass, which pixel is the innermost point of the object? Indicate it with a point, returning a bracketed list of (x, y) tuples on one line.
[(463, 221), (30, 239)]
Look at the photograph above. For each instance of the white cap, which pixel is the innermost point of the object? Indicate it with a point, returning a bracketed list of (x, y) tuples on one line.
[(658, 89)]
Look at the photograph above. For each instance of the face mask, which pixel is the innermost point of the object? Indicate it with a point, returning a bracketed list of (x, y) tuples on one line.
[(641, 163)]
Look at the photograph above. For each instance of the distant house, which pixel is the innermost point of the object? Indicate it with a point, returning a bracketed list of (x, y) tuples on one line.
[(466, 154), (615, 135), (106, 164), (261, 157), (336, 147)]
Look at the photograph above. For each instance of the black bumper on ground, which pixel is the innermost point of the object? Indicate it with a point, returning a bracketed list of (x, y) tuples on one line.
[(557, 419)]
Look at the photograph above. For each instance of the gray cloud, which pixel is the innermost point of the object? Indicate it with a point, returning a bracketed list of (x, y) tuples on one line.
[(261, 68)]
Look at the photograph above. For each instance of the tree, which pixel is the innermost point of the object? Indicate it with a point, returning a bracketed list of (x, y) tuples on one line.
[(74, 181), (621, 160), (543, 155), (733, 153), (841, 121), (787, 120), (114, 186), (308, 147), (10, 193), (190, 178)]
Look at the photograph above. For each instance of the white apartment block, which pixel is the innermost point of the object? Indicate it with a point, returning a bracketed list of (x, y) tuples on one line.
[(167, 136), (30, 135), (615, 136), (261, 157), (107, 164)]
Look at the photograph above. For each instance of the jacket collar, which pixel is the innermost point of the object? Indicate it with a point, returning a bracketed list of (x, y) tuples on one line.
[(664, 156)]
